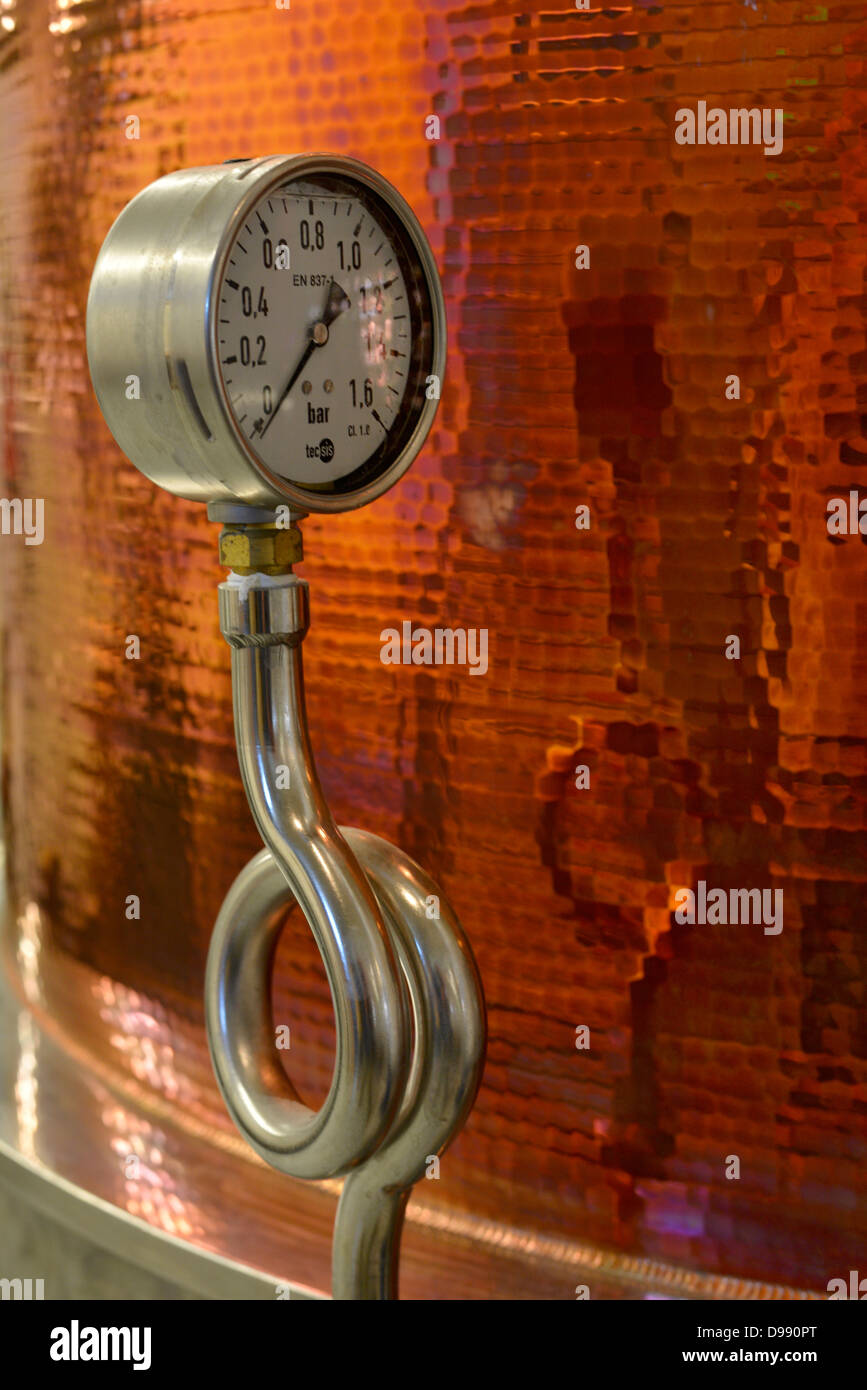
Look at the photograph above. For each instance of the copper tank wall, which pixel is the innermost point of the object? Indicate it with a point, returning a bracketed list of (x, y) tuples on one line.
[(603, 387)]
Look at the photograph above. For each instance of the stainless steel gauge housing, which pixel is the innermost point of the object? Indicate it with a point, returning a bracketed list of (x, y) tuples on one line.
[(269, 331)]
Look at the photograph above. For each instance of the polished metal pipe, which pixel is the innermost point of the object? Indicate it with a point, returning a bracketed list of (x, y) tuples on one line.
[(408, 1004), (448, 1014)]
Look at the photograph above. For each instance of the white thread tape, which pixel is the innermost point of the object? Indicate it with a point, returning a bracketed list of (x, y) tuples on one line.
[(246, 582)]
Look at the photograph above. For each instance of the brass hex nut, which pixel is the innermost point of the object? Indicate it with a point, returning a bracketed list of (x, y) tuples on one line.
[(260, 549)]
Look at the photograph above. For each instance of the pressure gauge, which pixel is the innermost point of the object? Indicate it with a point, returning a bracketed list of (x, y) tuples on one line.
[(269, 331)]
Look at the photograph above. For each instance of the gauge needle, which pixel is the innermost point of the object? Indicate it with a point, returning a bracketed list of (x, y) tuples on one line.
[(336, 303)]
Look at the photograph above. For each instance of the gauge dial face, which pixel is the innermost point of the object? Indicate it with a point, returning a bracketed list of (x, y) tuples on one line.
[(323, 333)]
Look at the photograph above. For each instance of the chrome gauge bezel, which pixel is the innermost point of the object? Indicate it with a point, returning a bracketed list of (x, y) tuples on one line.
[(152, 340)]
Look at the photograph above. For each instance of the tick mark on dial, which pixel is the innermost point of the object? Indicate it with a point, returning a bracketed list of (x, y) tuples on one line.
[(233, 284), (262, 224)]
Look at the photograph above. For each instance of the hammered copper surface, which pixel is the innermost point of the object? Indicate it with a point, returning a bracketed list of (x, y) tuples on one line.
[(603, 387)]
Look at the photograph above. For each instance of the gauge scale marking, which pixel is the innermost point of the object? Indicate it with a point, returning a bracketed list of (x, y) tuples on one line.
[(314, 333)]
